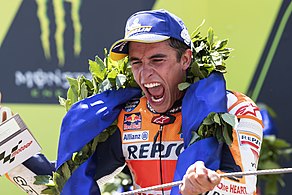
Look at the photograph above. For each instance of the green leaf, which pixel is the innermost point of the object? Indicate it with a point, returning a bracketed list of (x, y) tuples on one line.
[(105, 85), (195, 70), (271, 188), (72, 81), (42, 179), (62, 101), (103, 136), (210, 38), (220, 68), (285, 152), (52, 191), (85, 149), (201, 130), (201, 47), (195, 137), (89, 85), (94, 144), (208, 121), (269, 164), (72, 94), (83, 91), (183, 86), (230, 119), (113, 74), (65, 170), (279, 143), (217, 119), (66, 103), (95, 85), (100, 63), (211, 115), (120, 80), (281, 182), (58, 180), (270, 138), (97, 70), (221, 44), (196, 31), (227, 134)]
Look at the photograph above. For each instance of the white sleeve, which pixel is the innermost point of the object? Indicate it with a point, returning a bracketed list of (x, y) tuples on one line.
[(245, 149)]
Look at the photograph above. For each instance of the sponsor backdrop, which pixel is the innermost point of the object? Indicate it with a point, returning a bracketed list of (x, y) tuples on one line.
[(44, 41)]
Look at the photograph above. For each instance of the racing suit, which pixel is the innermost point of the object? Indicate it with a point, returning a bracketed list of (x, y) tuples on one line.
[(149, 143), (152, 142)]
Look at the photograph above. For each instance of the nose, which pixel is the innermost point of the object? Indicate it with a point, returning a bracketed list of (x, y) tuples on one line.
[(146, 71)]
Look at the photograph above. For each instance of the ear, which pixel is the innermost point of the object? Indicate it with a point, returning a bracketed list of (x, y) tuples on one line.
[(186, 59)]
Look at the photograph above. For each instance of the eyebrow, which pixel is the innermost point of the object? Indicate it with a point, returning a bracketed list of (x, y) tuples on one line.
[(133, 58), (151, 57), (158, 56)]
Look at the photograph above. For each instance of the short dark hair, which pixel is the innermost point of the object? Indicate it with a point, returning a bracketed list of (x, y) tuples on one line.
[(179, 46)]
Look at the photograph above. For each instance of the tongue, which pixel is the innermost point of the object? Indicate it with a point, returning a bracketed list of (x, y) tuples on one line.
[(156, 91)]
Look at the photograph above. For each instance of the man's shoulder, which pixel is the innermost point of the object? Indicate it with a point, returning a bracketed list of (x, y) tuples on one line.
[(240, 104), (234, 97)]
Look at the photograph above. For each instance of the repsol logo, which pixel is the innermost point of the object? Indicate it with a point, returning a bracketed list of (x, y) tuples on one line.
[(251, 140), (169, 150)]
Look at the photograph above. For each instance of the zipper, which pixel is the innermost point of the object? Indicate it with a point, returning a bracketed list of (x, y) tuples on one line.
[(159, 133)]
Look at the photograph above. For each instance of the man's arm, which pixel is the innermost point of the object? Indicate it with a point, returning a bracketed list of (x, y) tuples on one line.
[(242, 155)]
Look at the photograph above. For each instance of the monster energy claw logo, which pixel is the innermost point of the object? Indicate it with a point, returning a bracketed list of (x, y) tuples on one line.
[(59, 11)]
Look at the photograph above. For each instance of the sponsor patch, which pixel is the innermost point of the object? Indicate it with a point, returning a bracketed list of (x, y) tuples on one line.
[(154, 151), (136, 27), (129, 137), (252, 140), (163, 119), (249, 109), (132, 121), (229, 188), (131, 105)]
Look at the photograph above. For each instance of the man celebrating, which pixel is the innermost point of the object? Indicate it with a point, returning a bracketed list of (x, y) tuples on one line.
[(155, 132), (159, 49)]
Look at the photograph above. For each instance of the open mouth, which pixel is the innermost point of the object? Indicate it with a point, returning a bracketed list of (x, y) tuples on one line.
[(156, 91)]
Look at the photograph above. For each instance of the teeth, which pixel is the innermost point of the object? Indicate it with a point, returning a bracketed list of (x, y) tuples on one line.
[(151, 85), (156, 100)]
